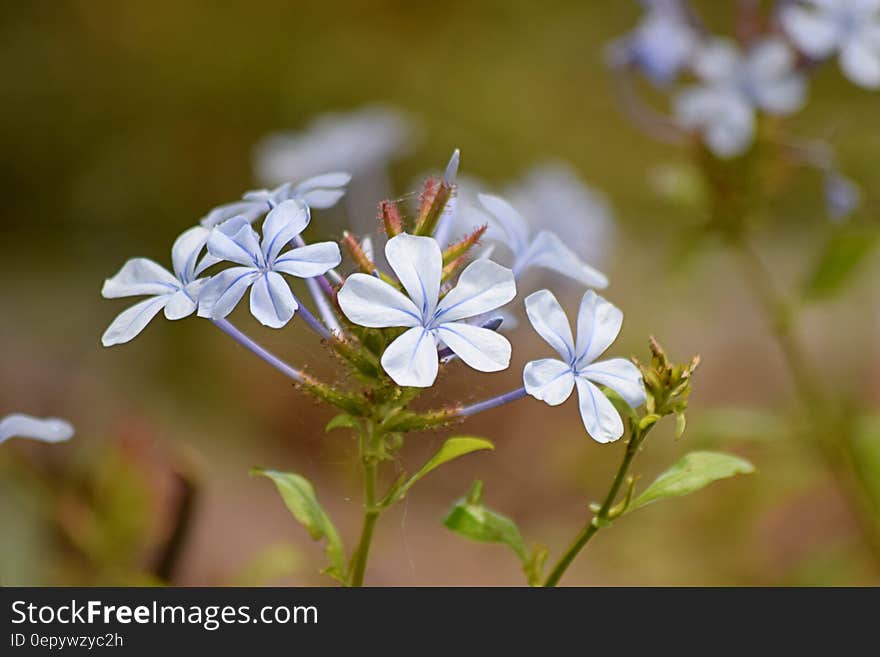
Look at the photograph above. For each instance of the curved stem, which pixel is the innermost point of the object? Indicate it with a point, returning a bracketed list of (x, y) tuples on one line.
[(602, 516), (500, 400), (256, 349), (313, 322)]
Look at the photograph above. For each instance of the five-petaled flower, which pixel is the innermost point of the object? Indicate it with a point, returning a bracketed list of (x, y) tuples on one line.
[(851, 28), (543, 250), (177, 293), (412, 359), (49, 430), (262, 263), (552, 380), (722, 108), (318, 192)]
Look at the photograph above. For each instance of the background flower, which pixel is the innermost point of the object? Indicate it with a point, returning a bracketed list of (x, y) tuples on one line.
[(49, 430)]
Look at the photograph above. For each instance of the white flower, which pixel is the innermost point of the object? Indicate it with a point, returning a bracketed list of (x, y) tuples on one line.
[(662, 43), (318, 192), (542, 250), (50, 429), (411, 359), (177, 293), (848, 27), (734, 84), (262, 263), (551, 380)]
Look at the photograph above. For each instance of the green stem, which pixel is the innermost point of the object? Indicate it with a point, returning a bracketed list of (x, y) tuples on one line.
[(602, 516), (359, 558), (831, 439)]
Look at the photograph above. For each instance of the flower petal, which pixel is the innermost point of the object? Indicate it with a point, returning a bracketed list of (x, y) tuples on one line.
[(620, 375), (482, 286), (598, 325), (225, 290), (718, 61), (185, 252), (781, 96), (860, 61), (132, 321), (140, 276), (272, 302), (249, 210), (481, 348), (50, 429), (411, 360), (550, 252), (180, 305), (813, 33), (549, 380), (370, 302), (282, 224), (505, 216), (600, 418), (237, 242), (322, 191), (310, 260), (551, 323), (418, 263)]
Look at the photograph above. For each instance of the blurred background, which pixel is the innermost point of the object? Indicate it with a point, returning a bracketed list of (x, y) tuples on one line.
[(124, 123)]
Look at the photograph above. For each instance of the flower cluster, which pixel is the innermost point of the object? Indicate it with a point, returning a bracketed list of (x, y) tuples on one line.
[(727, 85), (438, 303)]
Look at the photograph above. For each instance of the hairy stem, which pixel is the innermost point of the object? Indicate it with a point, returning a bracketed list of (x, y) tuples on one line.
[(602, 516), (358, 564)]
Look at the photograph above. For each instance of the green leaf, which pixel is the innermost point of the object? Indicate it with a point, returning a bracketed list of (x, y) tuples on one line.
[(299, 497), (471, 519), (451, 449), (342, 421), (839, 262), (694, 471)]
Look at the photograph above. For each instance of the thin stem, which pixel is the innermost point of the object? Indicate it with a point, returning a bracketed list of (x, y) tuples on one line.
[(830, 438), (602, 516), (489, 404), (313, 322), (273, 360), (371, 512), (326, 312)]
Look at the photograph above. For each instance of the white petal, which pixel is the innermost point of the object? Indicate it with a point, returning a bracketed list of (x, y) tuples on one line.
[(600, 418), (481, 348), (813, 33), (418, 264), (250, 210), (185, 252), (272, 302), (241, 247), (179, 305), (132, 321), (550, 252), (782, 96), (225, 290), (732, 129), (282, 224), (309, 261), (718, 61), (140, 276), (769, 59), (322, 191), (620, 375), (860, 61), (482, 286), (598, 325), (510, 221), (549, 380), (50, 429), (370, 302), (550, 321), (411, 360)]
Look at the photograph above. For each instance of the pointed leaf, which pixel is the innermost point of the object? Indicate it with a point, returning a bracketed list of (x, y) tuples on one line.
[(299, 497), (342, 421), (471, 519), (694, 471)]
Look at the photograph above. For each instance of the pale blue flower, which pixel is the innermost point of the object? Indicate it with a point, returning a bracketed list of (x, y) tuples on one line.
[(49, 430), (851, 28), (734, 85), (842, 196), (262, 263), (412, 358), (319, 192), (552, 380), (177, 293)]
